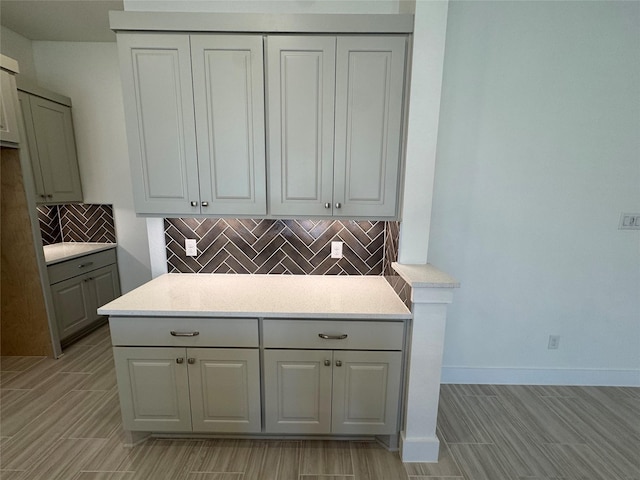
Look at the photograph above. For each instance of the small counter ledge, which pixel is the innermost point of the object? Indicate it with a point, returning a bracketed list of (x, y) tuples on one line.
[(425, 276), (59, 252), (263, 296)]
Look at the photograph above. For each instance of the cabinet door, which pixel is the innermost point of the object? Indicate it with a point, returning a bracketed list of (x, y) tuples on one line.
[(106, 286), (25, 107), (301, 79), (8, 114), (297, 386), (158, 102), (225, 390), (154, 388), (369, 100), (56, 150), (366, 392), (228, 92), (73, 302)]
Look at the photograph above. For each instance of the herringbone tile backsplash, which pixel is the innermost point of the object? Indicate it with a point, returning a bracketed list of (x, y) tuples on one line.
[(275, 246), (76, 223)]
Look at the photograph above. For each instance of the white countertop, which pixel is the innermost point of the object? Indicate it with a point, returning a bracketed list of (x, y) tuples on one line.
[(59, 252), (425, 276), (281, 296)]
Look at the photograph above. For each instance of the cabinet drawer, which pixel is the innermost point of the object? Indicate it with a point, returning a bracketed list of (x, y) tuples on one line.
[(359, 335), (156, 331), (78, 266)]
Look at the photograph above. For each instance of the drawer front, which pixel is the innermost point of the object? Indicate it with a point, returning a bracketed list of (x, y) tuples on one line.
[(156, 331), (360, 335), (78, 266)]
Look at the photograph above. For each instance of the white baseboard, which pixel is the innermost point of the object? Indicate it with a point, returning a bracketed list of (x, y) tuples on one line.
[(541, 376)]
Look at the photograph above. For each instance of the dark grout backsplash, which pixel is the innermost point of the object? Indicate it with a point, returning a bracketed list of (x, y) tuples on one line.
[(278, 246), (76, 223)]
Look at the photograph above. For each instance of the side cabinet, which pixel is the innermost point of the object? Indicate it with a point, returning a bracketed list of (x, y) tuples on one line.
[(335, 124), (188, 388), (317, 391), (52, 149), (8, 115), (194, 108), (79, 287)]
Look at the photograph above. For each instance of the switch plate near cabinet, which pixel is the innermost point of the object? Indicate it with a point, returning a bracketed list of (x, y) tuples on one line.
[(190, 247), (629, 221), (336, 249), (554, 342)]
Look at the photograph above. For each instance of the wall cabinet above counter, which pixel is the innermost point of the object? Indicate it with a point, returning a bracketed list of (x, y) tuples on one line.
[(204, 140)]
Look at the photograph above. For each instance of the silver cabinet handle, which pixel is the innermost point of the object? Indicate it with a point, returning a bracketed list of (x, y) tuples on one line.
[(205, 204), (338, 205), (327, 205), (327, 363), (88, 264), (184, 334), (88, 279), (338, 363), (324, 336), (43, 196), (194, 204), (180, 360), (191, 361), (49, 195)]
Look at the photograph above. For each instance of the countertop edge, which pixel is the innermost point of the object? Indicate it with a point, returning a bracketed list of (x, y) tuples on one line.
[(267, 315), (97, 247), (425, 276)]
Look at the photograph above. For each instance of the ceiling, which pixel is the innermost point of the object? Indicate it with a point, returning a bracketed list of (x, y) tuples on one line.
[(60, 20)]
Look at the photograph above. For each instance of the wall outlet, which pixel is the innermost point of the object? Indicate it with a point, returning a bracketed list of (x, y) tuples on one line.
[(554, 342), (629, 221), (190, 247), (336, 249)]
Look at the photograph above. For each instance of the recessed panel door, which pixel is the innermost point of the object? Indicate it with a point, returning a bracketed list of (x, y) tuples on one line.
[(72, 300)]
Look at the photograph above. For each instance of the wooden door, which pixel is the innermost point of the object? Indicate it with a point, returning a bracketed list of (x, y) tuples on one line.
[(297, 391), (369, 101), (154, 388), (158, 103), (225, 389), (300, 86), (366, 392), (228, 89)]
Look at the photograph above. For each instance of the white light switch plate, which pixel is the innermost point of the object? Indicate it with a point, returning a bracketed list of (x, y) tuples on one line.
[(336, 249), (190, 247)]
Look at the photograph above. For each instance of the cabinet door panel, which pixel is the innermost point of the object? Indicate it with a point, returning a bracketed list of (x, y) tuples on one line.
[(56, 150), (106, 284), (158, 99), (229, 108), (8, 116), (72, 302), (366, 389), (369, 89), (301, 78), (225, 390), (297, 391), (25, 107), (153, 389)]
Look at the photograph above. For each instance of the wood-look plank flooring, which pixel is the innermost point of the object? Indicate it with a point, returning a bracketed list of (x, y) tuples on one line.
[(60, 420)]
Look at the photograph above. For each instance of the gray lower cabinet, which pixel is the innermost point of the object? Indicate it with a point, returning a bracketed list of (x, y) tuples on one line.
[(335, 124), (79, 287), (174, 389), (52, 149), (194, 108)]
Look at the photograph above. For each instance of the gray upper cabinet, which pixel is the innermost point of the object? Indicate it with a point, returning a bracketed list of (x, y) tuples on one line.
[(335, 118), (8, 117), (194, 110), (52, 149), (301, 92)]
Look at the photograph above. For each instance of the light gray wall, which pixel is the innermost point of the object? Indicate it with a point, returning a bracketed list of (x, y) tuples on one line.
[(19, 48), (538, 154), (89, 74)]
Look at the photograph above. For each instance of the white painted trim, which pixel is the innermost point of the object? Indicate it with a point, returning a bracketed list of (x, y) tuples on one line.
[(419, 449), (157, 246), (541, 376)]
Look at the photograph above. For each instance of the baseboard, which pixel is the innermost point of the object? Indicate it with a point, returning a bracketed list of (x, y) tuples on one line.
[(541, 376)]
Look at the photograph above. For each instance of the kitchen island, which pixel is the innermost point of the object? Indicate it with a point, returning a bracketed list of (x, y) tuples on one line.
[(260, 355)]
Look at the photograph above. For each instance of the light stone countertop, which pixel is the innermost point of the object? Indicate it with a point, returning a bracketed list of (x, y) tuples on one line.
[(265, 296), (59, 252), (425, 276)]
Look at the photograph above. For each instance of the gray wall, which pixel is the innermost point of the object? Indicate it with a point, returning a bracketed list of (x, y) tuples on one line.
[(538, 154)]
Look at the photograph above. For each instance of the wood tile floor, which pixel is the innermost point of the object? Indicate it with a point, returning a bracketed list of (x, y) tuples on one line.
[(60, 420)]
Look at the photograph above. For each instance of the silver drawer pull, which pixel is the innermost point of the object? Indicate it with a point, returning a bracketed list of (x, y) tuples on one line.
[(184, 334), (88, 264), (324, 336)]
